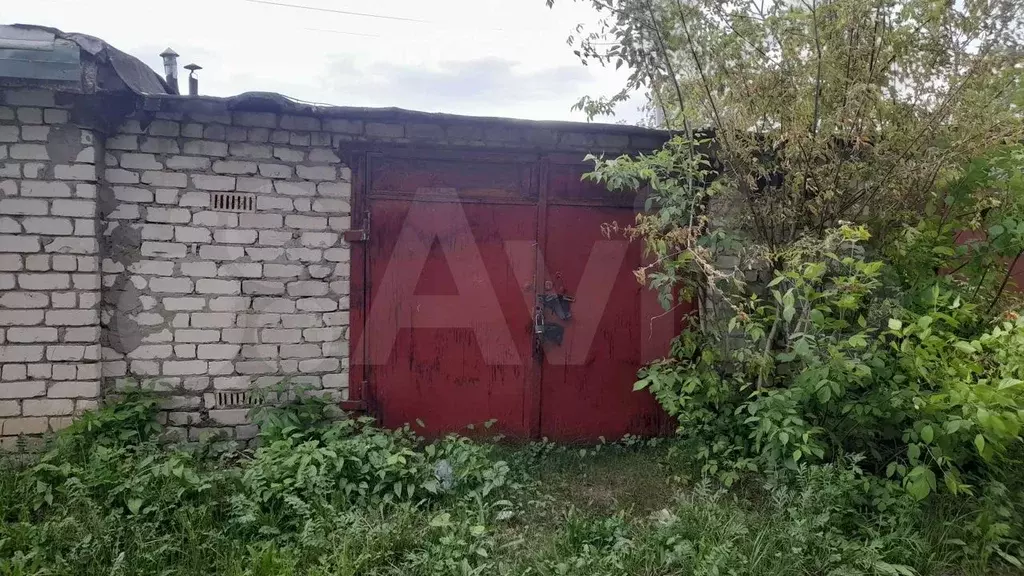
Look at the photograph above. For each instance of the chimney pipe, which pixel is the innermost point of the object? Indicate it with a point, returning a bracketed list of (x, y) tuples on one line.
[(171, 69), (193, 82)]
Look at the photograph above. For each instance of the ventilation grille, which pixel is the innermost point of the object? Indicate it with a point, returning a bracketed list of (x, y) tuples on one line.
[(234, 202), (238, 398)]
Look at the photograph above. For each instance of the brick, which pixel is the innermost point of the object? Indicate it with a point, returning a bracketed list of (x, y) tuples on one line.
[(316, 172), (305, 222), (259, 287), (331, 206), (47, 407), (160, 145), (212, 286), (22, 206), (155, 267), (20, 317), (205, 148), (184, 367), (86, 334), (335, 380), (195, 199), (213, 252), (119, 176), (281, 270), (304, 254), (317, 305), (246, 150), (85, 172), (186, 303), (174, 285), (10, 299), (214, 183), (217, 351), (280, 336), (258, 185), (241, 335), (216, 219), (44, 281), (199, 268), (140, 161), (195, 335), (29, 152), (275, 305), (381, 130), (132, 194), (274, 237), (125, 212), (273, 221), (35, 133), (344, 126), (9, 408), (18, 426), (240, 270), (9, 134), (273, 203), (22, 244), (76, 245), (164, 128), (164, 249), (188, 163), (31, 335), (213, 320), (157, 232), (295, 188), (234, 167), (323, 334), (123, 142), (300, 350), (319, 239), (230, 303), (255, 119), (76, 208), (264, 254), (323, 156), (72, 317), (165, 179), (74, 389), (275, 170), (234, 417), (190, 234), (289, 154), (307, 288)]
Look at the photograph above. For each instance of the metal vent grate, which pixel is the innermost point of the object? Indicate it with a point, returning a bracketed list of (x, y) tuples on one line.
[(234, 202), (238, 398)]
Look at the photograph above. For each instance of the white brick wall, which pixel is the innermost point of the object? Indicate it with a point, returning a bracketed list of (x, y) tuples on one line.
[(49, 262), (232, 299)]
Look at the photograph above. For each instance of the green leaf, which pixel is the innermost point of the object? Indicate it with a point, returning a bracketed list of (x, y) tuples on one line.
[(979, 443), (787, 313), (441, 520), (797, 454), (996, 231), (895, 324), (927, 434), (134, 505), (913, 452)]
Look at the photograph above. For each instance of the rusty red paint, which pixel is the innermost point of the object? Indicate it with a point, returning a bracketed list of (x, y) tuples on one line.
[(460, 245)]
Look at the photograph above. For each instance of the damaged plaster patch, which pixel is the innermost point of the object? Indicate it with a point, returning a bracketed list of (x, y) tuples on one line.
[(123, 244), (63, 143)]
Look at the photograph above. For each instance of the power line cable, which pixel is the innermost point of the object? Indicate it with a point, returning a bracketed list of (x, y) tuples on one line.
[(336, 11)]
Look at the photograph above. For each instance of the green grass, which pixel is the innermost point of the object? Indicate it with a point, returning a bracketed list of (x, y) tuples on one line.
[(135, 508)]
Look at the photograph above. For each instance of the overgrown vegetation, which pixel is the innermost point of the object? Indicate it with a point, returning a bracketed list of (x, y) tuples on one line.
[(848, 216), (343, 497)]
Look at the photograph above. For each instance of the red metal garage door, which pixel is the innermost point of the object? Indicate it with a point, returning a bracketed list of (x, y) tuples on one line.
[(445, 328)]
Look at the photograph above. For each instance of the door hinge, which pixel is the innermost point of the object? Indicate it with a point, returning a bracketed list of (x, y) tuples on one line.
[(360, 235)]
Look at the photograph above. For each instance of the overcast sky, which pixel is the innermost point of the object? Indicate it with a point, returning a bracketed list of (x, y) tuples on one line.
[(479, 57)]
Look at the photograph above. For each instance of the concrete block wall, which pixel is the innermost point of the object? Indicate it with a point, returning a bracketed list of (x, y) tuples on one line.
[(49, 265), (206, 300)]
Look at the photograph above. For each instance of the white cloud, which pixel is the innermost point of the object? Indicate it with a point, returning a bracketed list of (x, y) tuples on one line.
[(486, 57)]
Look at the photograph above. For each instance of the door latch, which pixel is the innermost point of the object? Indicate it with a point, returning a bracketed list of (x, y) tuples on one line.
[(559, 304)]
